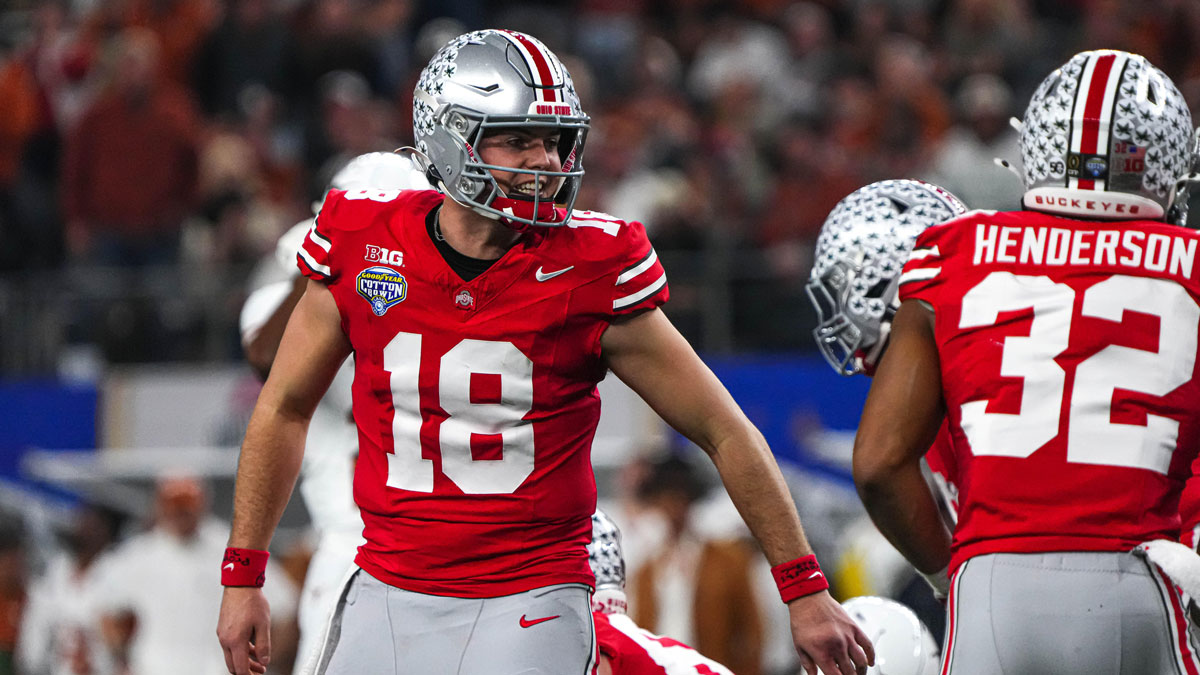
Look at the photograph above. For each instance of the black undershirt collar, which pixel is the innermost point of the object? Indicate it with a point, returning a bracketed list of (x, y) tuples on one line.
[(466, 267)]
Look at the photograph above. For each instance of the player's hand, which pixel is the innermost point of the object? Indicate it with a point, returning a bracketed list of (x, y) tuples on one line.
[(827, 638), (244, 629)]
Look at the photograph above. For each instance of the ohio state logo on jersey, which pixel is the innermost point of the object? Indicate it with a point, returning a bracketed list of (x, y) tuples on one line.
[(383, 287), (464, 300)]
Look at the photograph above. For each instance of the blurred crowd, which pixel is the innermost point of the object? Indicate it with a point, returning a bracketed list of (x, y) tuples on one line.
[(154, 134), (121, 594)]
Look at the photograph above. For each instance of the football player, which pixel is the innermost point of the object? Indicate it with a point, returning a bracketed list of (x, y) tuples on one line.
[(327, 471), (1060, 344), (863, 245), (624, 647), (481, 317)]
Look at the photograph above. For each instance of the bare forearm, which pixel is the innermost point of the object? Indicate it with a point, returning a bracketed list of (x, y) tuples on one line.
[(902, 507), (758, 490), (267, 470)]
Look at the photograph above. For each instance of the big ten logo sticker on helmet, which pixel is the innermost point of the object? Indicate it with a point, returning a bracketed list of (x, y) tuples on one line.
[(383, 287), (383, 255)]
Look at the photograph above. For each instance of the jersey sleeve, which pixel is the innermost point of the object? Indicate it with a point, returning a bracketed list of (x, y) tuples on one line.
[(922, 274), (642, 281), (315, 255)]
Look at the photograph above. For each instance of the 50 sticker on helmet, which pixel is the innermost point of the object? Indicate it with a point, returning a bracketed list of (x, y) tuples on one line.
[(382, 287)]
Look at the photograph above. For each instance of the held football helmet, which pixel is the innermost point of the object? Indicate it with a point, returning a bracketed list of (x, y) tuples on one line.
[(488, 80), (608, 564), (903, 645), (860, 253), (1108, 136)]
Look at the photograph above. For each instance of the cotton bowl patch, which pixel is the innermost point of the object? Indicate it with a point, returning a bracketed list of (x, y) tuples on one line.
[(383, 287)]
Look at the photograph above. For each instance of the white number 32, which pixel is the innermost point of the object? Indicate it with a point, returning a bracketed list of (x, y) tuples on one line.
[(1092, 436)]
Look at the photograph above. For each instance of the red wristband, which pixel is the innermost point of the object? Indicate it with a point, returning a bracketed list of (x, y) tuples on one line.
[(799, 577), (244, 567)]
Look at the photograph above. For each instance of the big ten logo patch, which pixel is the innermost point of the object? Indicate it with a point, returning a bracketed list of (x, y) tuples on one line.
[(382, 255), (382, 287)]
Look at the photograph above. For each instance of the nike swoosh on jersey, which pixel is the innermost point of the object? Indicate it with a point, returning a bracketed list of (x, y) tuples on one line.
[(526, 623), (543, 276)]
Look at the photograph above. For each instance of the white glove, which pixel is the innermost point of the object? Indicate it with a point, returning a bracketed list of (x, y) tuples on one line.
[(1177, 561)]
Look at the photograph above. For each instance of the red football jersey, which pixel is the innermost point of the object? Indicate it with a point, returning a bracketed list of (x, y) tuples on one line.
[(634, 651), (476, 400), (1189, 513), (1068, 364)]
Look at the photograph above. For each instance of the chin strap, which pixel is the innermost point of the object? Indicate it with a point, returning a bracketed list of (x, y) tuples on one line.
[(541, 211)]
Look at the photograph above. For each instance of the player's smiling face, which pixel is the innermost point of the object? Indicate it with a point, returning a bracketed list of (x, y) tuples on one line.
[(529, 149)]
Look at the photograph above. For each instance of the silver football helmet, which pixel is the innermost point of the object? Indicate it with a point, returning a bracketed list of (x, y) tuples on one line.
[(608, 564), (1107, 136), (488, 80), (860, 253), (903, 645)]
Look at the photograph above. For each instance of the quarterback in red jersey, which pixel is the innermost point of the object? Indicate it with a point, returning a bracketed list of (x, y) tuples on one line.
[(481, 316), (1060, 345)]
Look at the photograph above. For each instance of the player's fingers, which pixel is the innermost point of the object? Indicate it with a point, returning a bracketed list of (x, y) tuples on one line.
[(808, 664), (840, 665), (256, 665), (262, 641), (228, 659), (238, 659), (858, 659), (847, 664), (864, 645)]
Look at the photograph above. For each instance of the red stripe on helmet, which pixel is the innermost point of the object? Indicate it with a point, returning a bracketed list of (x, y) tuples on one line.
[(541, 67), (1093, 109)]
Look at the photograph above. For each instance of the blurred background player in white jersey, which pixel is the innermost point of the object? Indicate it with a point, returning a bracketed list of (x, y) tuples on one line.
[(156, 592), (60, 627), (863, 245), (327, 473), (1060, 344)]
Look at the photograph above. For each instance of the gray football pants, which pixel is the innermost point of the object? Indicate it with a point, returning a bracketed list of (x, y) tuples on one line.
[(381, 629), (1071, 613)]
